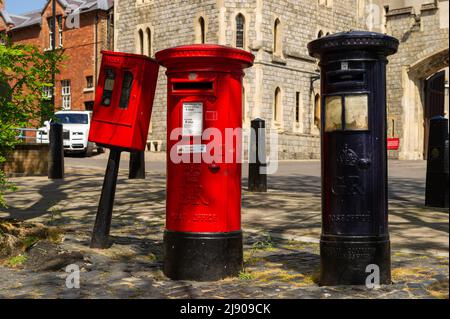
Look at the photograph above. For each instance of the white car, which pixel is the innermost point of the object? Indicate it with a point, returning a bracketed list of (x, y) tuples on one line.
[(75, 132)]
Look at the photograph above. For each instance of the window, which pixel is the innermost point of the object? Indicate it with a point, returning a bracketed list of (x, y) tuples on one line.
[(60, 30), (51, 22), (72, 118), (317, 110), (65, 92), (297, 107), (89, 105), (277, 41), (240, 31), (140, 48), (149, 41), (47, 92), (200, 31), (89, 82), (348, 113), (277, 108)]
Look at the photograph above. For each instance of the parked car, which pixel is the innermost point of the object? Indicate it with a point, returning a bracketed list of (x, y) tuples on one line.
[(75, 132)]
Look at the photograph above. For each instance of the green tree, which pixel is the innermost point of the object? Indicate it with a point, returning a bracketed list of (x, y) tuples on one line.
[(24, 72)]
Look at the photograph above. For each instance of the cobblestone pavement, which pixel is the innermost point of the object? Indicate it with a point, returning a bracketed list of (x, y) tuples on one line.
[(281, 242)]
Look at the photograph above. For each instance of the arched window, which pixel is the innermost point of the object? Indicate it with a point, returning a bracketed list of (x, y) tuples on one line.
[(201, 37), (140, 48), (277, 41), (317, 110), (240, 31), (277, 107), (320, 34), (149, 41), (328, 33)]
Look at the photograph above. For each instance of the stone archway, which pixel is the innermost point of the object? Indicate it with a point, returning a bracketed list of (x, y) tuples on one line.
[(413, 101)]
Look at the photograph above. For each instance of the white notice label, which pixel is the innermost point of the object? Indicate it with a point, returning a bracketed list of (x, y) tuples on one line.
[(194, 148), (192, 119)]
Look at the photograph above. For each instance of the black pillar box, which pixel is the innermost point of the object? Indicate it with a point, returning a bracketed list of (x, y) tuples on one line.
[(436, 193), (354, 161)]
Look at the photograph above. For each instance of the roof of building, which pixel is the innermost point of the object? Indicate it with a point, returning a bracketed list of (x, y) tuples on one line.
[(33, 18)]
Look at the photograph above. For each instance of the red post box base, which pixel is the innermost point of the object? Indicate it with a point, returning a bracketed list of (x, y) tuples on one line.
[(344, 260), (202, 256)]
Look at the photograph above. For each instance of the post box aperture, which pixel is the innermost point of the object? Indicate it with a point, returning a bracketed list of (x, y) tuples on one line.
[(203, 237), (124, 100), (354, 155)]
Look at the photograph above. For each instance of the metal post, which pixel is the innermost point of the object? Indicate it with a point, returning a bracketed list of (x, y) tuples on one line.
[(56, 153), (100, 234), (437, 180), (137, 165), (257, 180)]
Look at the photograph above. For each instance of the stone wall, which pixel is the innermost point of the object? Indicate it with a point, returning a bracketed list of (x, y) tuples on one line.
[(27, 160), (173, 23)]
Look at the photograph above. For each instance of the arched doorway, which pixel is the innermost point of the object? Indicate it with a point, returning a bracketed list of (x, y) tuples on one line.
[(434, 98), (423, 90)]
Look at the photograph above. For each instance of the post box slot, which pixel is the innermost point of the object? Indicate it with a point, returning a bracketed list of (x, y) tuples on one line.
[(345, 76), (193, 86), (108, 87), (127, 84)]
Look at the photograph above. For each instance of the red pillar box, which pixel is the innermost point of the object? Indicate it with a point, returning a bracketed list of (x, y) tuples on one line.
[(203, 237), (123, 101)]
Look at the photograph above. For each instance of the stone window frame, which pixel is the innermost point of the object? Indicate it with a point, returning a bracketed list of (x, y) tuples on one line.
[(316, 110), (277, 41), (145, 35), (277, 107), (298, 108), (201, 31), (244, 30)]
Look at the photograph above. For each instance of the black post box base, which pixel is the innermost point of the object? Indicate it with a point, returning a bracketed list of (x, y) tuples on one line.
[(202, 256), (343, 260)]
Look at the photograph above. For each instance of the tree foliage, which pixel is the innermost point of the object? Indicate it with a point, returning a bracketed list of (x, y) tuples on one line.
[(24, 72)]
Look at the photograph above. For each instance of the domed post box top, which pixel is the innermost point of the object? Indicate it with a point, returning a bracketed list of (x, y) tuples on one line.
[(204, 56), (353, 40)]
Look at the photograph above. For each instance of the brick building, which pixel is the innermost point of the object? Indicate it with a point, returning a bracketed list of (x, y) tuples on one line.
[(281, 87), (83, 29)]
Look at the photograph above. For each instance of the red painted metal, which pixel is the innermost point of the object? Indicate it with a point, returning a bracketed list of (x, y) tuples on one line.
[(119, 119), (204, 197), (393, 143)]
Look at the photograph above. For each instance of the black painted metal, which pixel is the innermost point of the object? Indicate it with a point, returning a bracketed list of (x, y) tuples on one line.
[(257, 178), (354, 162), (137, 165), (56, 153), (437, 180), (202, 256), (100, 234)]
